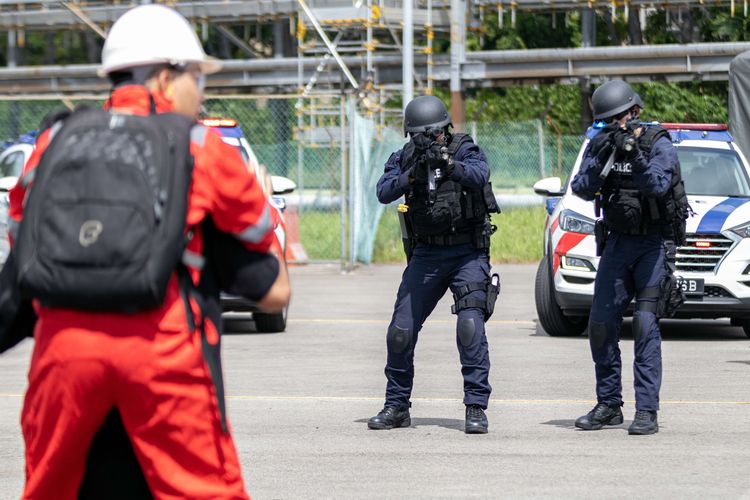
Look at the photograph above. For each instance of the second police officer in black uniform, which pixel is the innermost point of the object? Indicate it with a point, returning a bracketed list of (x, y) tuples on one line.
[(632, 172), (445, 178)]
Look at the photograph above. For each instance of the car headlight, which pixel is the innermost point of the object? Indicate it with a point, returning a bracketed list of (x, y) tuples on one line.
[(576, 264), (742, 231), (576, 223)]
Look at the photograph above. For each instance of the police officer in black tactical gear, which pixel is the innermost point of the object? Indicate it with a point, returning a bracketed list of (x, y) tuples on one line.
[(632, 173), (444, 177)]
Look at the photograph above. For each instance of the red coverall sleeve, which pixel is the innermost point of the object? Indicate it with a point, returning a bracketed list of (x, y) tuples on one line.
[(17, 195), (236, 202)]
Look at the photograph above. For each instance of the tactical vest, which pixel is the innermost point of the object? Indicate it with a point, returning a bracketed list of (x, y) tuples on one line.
[(627, 211), (443, 211)]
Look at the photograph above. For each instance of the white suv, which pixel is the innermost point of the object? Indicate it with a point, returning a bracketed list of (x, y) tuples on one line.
[(714, 264), (12, 161)]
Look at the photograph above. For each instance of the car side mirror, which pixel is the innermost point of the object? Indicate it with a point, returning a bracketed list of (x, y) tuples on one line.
[(549, 186), (7, 183), (282, 185)]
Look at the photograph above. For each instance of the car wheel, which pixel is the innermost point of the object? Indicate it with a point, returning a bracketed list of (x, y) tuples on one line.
[(271, 323), (746, 326), (551, 317)]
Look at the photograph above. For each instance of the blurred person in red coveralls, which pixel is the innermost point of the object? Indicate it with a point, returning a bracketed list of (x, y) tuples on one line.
[(150, 366)]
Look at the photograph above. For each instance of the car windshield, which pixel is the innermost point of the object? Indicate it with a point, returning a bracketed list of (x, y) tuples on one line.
[(713, 172), (11, 165)]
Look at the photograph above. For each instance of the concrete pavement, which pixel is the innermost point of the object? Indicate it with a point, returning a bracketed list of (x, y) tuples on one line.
[(299, 400)]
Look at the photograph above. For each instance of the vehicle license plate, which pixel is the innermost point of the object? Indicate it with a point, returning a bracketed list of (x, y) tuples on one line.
[(692, 286)]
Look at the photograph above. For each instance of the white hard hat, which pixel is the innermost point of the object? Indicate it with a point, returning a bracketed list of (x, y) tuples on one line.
[(153, 34)]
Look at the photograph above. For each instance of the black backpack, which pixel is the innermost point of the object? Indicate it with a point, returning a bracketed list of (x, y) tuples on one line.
[(104, 224)]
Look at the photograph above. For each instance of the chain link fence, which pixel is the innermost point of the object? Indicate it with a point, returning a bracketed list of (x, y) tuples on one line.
[(300, 140), (308, 142), (521, 153)]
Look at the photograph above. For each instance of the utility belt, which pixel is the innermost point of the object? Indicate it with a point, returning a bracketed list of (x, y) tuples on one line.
[(649, 230), (602, 229), (446, 239), (479, 236)]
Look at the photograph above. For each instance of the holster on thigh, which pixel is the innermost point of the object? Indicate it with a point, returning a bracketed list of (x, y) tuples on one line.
[(491, 289)]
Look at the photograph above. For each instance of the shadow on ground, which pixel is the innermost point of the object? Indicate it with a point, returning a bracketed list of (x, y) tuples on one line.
[(671, 330), (237, 326), (570, 424), (447, 423)]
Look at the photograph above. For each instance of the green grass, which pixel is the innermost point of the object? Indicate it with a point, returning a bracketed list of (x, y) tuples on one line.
[(518, 238), (320, 234)]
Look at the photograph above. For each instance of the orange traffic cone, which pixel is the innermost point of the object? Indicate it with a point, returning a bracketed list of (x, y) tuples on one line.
[(295, 252)]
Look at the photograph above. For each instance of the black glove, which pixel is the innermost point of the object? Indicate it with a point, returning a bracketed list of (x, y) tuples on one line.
[(438, 158), (626, 144), (422, 142), (434, 154), (602, 145), (418, 173), (449, 164)]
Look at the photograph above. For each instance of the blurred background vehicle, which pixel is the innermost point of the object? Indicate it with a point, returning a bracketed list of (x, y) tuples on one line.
[(16, 153), (274, 186), (714, 264), (12, 160)]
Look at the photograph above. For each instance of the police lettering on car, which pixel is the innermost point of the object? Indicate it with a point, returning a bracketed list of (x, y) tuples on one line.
[(632, 173), (446, 229)]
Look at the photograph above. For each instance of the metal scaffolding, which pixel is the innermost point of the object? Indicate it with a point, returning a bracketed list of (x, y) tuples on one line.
[(372, 31), (361, 48), (705, 61)]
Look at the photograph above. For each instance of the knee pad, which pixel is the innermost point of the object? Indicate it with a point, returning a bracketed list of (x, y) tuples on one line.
[(597, 334), (397, 339), (466, 331)]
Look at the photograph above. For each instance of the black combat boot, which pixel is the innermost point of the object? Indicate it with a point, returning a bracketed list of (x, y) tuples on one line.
[(390, 417), (476, 420), (645, 422), (600, 416)]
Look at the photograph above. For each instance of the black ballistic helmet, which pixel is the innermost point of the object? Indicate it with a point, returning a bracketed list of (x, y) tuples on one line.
[(612, 98), (425, 112)]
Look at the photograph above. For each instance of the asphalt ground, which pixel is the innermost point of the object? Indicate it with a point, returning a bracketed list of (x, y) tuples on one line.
[(299, 401)]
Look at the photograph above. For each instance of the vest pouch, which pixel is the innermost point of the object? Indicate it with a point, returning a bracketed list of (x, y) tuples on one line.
[(439, 218), (623, 212)]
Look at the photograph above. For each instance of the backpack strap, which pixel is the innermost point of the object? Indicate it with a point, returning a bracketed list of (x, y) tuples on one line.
[(456, 141), (55, 117), (649, 137)]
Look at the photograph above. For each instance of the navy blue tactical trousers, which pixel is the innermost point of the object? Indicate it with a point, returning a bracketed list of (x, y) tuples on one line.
[(430, 272), (630, 265)]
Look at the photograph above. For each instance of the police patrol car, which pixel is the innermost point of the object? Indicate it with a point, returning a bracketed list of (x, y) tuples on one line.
[(714, 264), (274, 186), (12, 159)]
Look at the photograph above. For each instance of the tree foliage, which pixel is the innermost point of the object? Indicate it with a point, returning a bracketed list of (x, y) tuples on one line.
[(560, 105)]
